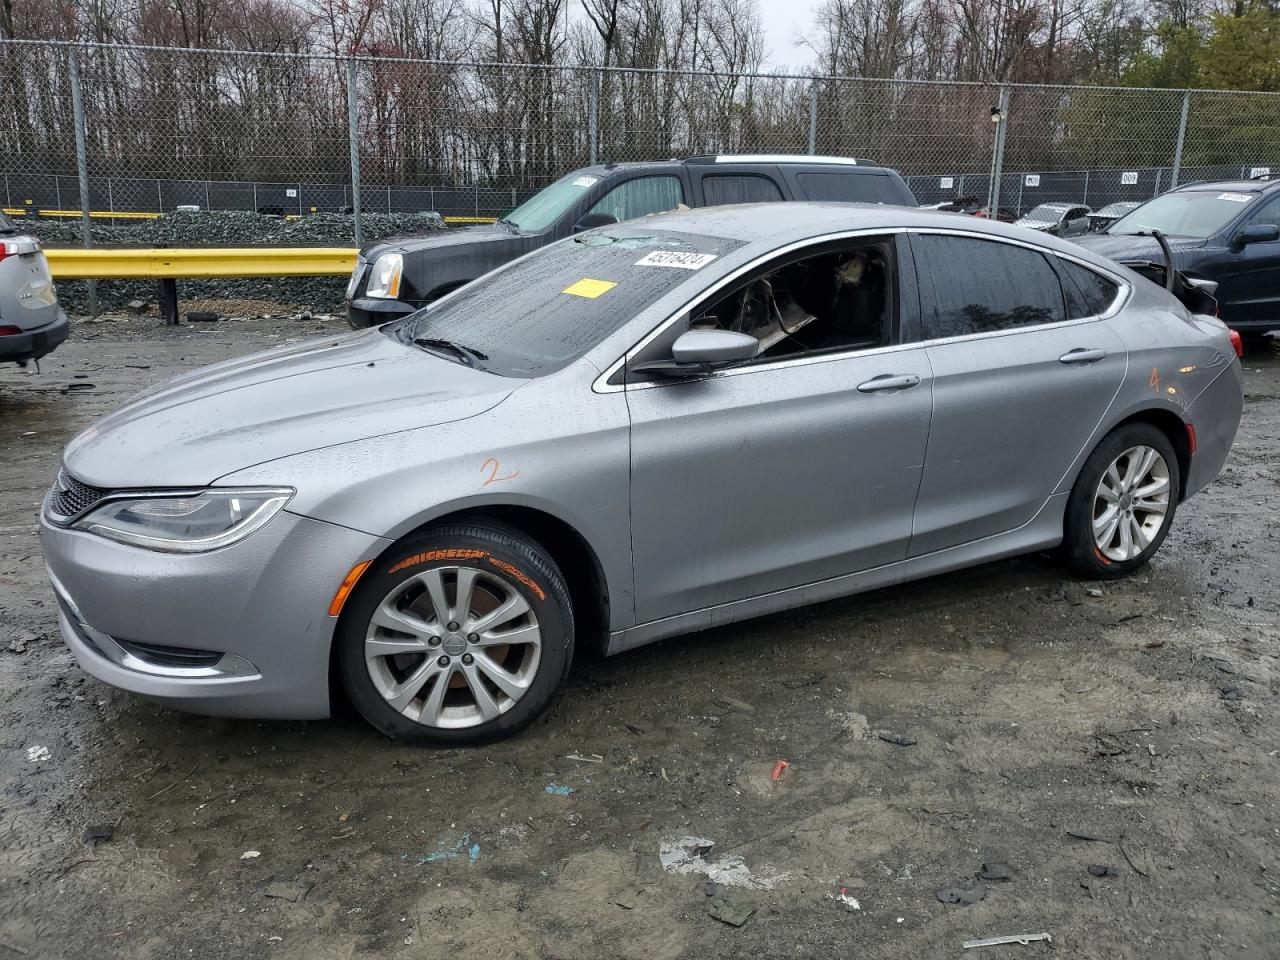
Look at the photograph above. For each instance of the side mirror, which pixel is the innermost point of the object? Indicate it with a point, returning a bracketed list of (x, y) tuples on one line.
[(589, 221), (699, 351), (1258, 233)]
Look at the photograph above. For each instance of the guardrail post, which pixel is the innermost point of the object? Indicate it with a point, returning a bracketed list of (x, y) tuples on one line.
[(1182, 136), (813, 118), (353, 134), (82, 169), (593, 119), (997, 153), (167, 288)]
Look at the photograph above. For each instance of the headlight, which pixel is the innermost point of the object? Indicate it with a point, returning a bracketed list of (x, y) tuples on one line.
[(384, 278), (186, 524)]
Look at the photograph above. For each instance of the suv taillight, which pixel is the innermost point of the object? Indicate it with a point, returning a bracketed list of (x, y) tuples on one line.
[(16, 248), (9, 331)]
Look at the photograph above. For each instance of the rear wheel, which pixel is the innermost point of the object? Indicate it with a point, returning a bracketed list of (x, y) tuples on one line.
[(461, 635), (1122, 503)]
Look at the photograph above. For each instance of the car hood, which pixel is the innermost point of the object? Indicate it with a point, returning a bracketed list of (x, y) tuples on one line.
[(1122, 248), (198, 427), (444, 258)]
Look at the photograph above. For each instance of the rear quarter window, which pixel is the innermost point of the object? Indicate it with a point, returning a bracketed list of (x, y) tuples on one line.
[(848, 187), (1088, 293)]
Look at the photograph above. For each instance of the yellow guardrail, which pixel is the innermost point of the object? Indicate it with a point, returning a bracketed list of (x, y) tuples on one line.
[(71, 263), (146, 215)]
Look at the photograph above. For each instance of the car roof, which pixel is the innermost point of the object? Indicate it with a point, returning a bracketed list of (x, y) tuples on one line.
[(1232, 186), (767, 226), (851, 164)]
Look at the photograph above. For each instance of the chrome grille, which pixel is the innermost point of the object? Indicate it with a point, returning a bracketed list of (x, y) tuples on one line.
[(71, 498)]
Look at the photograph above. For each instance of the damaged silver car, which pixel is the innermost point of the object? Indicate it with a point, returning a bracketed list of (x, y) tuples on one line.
[(637, 432)]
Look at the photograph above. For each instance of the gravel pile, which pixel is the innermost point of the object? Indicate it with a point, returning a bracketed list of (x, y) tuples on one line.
[(226, 229)]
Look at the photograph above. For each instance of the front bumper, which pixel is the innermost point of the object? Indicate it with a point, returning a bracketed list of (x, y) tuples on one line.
[(259, 606), (369, 311), (34, 344)]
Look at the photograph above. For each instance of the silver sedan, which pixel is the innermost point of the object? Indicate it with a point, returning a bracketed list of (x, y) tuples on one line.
[(641, 431)]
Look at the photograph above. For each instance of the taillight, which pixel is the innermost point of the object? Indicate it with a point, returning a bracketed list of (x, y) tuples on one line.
[(1191, 439), (15, 248), (1236, 343), (9, 331)]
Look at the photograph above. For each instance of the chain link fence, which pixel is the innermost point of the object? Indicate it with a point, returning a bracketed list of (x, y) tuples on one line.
[(107, 137)]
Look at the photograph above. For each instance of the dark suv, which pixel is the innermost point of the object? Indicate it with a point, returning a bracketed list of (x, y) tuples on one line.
[(396, 277), (1225, 232)]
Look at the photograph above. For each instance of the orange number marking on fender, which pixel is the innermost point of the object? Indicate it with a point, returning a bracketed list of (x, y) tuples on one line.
[(493, 467)]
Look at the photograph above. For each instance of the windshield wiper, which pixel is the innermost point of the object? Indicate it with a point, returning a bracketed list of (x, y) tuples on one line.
[(508, 223), (437, 345)]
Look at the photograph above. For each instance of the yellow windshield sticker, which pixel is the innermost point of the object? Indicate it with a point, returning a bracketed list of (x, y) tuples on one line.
[(586, 287)]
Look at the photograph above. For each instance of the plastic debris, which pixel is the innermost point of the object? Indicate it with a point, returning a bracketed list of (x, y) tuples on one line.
[(778, 770), (964, 896), (559, 790), (997, 871), (38, 754), (897, 739), (92, 835), (590, 758), (251, 855), (452, 851), (1022, 938), (842, 895), (291, 890), (691, 856)]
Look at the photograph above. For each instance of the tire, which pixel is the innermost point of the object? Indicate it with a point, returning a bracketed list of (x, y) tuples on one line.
[(420, 681), (1117, 549)]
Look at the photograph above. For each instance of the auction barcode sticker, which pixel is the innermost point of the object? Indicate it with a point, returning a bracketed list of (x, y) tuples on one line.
[(1235, 197), (674, 258)]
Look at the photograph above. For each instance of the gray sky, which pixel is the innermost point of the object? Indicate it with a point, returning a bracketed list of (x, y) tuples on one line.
[(783, 19)]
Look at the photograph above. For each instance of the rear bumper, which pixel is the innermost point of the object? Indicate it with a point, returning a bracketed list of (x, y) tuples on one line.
[(1215, 415), (34, 344), (1253, 326), (369, 312)]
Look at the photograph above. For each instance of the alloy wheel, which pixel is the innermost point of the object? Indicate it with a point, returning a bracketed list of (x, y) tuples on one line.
[(453, 647), (1131, 502)]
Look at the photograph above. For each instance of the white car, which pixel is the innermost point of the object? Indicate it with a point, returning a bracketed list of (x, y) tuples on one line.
[(31, 322)]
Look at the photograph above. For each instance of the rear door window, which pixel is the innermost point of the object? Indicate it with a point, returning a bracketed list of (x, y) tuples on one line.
[(641, 197), (846, 187), (981, 286), (1088, 293), (722, 188)]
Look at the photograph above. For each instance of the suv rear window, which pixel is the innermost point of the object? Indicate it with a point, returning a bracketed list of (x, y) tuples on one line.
[(847, 187)]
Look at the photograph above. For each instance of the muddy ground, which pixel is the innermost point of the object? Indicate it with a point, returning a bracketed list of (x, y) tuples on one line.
[(1144, 714)]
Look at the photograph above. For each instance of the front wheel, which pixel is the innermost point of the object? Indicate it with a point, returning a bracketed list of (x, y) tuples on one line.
[(461, 635), (1122, 503)]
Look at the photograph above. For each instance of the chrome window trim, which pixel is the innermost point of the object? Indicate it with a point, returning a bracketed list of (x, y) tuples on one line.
[(1124, 292)]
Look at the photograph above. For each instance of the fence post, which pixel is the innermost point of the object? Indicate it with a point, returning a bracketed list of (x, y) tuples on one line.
[(82, 168), (593, 119), (353, 134), (1182, 136), (813, 118), (997, 153)]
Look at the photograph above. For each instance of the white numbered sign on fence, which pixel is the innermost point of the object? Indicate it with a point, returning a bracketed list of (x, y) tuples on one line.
[(1129, 178), (1032, 180), (290, 192), (1260, 172), (946, 183)]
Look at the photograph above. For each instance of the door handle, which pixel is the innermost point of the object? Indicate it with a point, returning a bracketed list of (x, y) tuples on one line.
[(888, 381), (1081, 355)]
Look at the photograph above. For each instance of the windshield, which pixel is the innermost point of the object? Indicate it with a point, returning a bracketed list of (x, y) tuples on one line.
[(1048, 212), (548, 205), (1197, 213), (541, 313)]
